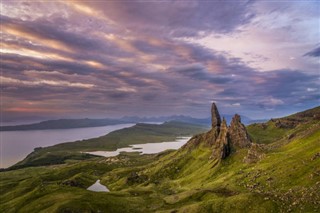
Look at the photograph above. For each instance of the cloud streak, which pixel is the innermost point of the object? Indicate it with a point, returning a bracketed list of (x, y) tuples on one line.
[(108, 59), (314, 53)]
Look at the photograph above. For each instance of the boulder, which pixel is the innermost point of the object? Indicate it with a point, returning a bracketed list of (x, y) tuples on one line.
[(255, 153)]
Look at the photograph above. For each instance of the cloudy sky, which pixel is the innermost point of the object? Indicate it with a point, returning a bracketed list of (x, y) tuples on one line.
[(76, 59)]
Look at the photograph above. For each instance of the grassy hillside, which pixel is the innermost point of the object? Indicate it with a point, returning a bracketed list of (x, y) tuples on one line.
[(280, 174), (138, 134), (276, 129)]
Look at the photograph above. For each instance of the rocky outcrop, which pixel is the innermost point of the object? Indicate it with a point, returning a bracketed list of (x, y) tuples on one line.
[(255, 153), (230, 138), (213, 134), (221, 138), (73, 183), (215, 116), (135, 177), (194, 141), (238, 133), (222, 145)]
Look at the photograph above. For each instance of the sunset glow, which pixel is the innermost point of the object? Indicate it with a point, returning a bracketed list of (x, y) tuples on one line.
[(152, 58)]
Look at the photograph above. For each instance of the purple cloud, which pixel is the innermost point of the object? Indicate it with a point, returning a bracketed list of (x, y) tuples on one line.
[(117, 58)]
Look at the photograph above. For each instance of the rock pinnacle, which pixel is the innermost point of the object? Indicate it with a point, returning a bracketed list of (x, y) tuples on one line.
[(215, 116)]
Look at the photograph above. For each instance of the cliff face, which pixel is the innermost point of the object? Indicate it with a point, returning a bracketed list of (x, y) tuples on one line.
[(221, 138)]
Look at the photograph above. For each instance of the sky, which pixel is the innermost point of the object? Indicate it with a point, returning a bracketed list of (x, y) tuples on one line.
[(99, 59)]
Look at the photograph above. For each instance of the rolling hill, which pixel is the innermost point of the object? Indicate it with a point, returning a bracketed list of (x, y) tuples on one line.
[(268, 167)]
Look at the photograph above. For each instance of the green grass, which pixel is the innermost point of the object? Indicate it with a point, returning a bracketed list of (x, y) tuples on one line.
[(266, 133), (287, 127), (285, 179), (37, 189)]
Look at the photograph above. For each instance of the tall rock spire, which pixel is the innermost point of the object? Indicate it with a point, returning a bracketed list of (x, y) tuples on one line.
[(215, 116), (222, 145), (222, 139), (238, 133)]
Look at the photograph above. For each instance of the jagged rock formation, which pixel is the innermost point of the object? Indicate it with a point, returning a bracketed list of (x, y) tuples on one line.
[(211, 136), (221, 138), (238, 133), (222, 145), (255, 153), (215, 116)]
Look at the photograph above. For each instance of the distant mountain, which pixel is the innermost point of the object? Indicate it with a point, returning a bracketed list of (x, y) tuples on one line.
[(86, 122), (64, 124), (182, 118)]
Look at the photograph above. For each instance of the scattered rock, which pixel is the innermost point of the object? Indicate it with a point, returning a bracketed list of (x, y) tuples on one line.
[(134, 177), (269, 179), (255, 153), (291, 136), (315, 156), (73, 183)]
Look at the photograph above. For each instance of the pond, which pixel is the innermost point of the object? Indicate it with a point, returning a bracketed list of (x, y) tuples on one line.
[(98, 187), (148, 148)]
